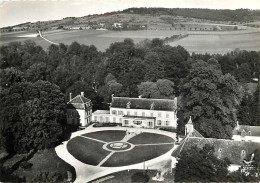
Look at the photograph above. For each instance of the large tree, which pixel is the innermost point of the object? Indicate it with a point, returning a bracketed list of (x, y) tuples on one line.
[(33, 116), (211, 98)]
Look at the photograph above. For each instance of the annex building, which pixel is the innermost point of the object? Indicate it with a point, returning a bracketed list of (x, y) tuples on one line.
[(236, 150), (139, 112), (79, 110)]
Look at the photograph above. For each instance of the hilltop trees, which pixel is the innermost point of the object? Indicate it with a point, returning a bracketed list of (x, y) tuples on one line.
[(211, 99)]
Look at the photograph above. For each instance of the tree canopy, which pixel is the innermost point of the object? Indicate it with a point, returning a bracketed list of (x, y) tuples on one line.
[(211, 99), (33, 116)]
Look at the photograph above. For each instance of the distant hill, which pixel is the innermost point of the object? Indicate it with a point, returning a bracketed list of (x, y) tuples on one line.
[(238, 15), (151, 19)]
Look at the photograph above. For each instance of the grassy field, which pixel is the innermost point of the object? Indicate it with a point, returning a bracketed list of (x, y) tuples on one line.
[(91, 152), (220, 43), (107, 136), (86, 150), (197, 41), (46, 161), (137, 155), (148, 138)]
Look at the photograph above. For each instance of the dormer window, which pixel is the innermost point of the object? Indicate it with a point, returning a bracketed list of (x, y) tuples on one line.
[(128, 105), (152, 106)]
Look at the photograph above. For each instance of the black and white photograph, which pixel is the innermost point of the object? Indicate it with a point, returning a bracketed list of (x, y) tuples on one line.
[(122, 91)]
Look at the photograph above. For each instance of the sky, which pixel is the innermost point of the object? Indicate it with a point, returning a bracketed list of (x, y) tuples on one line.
[(13, 12)]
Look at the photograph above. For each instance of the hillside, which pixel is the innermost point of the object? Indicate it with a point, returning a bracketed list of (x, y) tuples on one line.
[(152, 19), (238, 15)]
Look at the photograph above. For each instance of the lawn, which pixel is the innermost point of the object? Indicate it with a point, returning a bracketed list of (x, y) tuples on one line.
[(46, 161), (150, 138), (137, 155), (107, 135), (91, 152), (87, 151)]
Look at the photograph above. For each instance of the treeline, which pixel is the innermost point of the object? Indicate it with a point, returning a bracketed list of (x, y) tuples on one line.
[(238, 15), (35, 85)]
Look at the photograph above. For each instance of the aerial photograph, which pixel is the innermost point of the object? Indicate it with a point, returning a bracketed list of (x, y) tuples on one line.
[(121, 91)]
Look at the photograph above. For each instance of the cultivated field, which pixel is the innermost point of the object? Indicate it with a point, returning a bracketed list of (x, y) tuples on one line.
[(197, 41)]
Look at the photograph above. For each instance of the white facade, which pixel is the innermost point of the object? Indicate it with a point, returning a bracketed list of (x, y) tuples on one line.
[(137, 117), (246, 138)]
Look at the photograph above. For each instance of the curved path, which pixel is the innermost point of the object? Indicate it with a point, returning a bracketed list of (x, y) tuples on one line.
[(87, 172), (46, 39)]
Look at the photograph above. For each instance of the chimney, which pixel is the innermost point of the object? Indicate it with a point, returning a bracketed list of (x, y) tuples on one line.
[(70, 96), (140, 96), (82, 94)]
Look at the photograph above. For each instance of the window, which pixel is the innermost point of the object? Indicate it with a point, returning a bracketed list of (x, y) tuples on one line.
[(114, 119), (95, 118), (135, 113), (128, 113), (107, 119), (73, 121), (159, 122), (120, 113), (126, 122), (151, 114), (114, 112), (150, 123), (167, 115), (143, 113), (167, 123), (73, 114), (137, 122), (159, 114)]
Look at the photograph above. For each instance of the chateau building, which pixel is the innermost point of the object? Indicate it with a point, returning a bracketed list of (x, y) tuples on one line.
[(139, 112), (79, 110)]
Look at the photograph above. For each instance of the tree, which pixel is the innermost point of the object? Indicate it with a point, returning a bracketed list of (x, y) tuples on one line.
[(33, 116), (211, 98), (153, 67), (162, 89), (201, 165), (10, 76)]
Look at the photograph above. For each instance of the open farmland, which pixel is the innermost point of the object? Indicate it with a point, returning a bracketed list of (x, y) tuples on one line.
[(220, 43), (197, 41)]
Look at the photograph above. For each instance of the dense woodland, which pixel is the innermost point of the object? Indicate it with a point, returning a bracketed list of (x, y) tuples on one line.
[(238, 15), (35, 85)]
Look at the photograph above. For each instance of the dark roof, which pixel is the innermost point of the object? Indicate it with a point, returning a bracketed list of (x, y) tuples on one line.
[(143, 117), (79, 100), (145, 103), (249, 130), (195, 133), (223, 148)]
